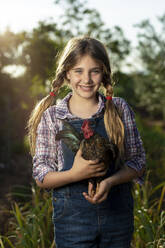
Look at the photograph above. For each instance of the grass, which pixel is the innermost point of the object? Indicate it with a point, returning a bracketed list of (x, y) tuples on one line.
[(31, 225), (31, 222), (149, 216)]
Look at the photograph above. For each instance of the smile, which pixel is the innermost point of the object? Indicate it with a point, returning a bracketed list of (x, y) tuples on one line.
[(86, 88)]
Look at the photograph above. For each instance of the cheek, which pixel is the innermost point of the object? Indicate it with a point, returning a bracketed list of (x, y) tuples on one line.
[(101, 77), (75, 79), (98, 78)]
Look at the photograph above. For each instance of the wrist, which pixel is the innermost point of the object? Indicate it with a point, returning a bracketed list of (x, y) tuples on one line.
[(71, 175), (109, 182), (74, 176), (124, 175)]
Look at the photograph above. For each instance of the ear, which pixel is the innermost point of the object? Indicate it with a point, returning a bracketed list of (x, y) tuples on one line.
[(68, 75)]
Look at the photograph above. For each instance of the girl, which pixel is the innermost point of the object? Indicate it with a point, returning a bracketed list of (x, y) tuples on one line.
[(81, 219)]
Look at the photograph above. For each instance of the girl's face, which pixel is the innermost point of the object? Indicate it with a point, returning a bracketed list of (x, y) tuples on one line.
[(85, 77)]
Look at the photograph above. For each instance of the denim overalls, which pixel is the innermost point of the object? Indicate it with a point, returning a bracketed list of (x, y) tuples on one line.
[(80, 224)]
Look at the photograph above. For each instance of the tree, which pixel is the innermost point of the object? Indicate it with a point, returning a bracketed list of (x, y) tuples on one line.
[(37, 52), (77, 19), (10, 131), (150, 86)]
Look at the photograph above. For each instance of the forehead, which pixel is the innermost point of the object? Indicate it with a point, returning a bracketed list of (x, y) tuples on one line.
[(87, 61)]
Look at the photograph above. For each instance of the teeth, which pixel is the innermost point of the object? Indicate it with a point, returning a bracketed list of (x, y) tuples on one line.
[(85, 86)]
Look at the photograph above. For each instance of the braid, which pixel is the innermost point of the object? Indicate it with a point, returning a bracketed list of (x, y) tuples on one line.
[(37, 112), (113, 123), (109, 90)]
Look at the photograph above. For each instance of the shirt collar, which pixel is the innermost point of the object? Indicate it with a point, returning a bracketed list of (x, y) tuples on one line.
[(62, 110)]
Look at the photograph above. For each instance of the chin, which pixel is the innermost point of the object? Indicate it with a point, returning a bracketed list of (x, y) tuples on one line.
[(89, 96)]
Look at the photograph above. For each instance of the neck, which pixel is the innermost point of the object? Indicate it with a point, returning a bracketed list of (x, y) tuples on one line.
[(83, 108), (81, 102)]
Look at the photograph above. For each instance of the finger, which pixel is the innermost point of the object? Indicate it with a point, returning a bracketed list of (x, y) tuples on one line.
[(88, 198), (99, 195), (99, 169), (91, 191), (79, 152), (90, 187), (96, 168), (99, 174), (92, 201), (93, 162), (102, 165), (103, 198)]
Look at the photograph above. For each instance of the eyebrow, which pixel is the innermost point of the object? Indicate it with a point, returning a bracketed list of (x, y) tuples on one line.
[(94, 68)]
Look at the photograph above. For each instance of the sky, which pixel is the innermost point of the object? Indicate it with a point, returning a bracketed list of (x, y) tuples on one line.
[(25, 14)]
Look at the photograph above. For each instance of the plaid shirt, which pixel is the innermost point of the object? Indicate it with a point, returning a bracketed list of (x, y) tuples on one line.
[(49, 156)]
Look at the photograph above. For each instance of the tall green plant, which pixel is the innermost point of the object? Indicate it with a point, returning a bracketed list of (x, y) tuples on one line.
[(31, 225), (149, 216)]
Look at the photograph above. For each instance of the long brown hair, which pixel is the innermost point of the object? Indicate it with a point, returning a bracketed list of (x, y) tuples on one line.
[(74, 50)]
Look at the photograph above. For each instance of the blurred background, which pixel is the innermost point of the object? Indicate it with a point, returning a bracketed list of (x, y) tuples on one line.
[(32, 33)]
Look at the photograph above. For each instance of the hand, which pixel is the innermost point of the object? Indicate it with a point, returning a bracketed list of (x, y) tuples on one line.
[(84, 169), (101, 195)]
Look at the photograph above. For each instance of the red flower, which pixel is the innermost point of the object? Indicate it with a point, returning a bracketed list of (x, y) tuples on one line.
[(87, 131)]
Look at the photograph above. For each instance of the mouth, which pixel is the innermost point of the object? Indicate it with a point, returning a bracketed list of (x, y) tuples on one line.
[(86, 87)]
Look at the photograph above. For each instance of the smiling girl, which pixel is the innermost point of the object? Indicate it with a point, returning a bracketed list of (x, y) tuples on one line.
[(81, 219)]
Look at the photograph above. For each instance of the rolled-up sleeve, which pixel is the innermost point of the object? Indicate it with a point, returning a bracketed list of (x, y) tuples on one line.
[(134, 151), (45, 158)]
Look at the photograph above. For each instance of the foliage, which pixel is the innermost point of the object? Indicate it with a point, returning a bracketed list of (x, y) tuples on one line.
[(37, 52), (150, 86), (154, 144), (9, 48), (124, 87), (77, 19), (149, 216), (31, 224)]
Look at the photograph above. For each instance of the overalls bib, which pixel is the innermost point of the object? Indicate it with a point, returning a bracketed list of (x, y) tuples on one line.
[(80, 224)]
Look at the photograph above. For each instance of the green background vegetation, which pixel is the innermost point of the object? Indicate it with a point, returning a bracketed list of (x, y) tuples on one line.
[(27, 210)]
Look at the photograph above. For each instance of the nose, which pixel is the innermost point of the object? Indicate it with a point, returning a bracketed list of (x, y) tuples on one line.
[(86, 78)]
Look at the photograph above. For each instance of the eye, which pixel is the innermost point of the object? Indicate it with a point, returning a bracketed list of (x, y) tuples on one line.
[(96, 71), (78, 71)]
